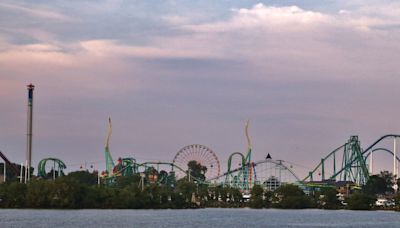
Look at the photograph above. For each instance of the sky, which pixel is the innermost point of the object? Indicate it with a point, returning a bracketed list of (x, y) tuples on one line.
[(170, 73)]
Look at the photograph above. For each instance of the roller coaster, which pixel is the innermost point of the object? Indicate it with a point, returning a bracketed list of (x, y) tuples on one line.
[(269, 173), (9, 164), (243, 176), (130, 167), (346, 163), (57, 168)]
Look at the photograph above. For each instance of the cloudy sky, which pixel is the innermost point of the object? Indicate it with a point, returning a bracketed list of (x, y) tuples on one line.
[(307, 74)]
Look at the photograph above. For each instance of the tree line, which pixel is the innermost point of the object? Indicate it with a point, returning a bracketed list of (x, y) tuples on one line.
[(80, 190)]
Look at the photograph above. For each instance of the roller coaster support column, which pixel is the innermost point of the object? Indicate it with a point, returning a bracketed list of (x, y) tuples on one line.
[(334, 162), (395, 173), (54, 170), (141, 183), (322, 170), (98, 176), (21, 173), (371, 163)]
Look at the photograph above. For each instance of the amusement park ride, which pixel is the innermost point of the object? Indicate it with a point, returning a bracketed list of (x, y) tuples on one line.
[(347, 163)]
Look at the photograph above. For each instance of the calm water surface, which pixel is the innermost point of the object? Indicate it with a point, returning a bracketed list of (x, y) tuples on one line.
[(197, 218)]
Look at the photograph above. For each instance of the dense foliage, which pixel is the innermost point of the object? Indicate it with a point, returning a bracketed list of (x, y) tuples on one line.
[(80, 190), (360, 201), (380, 184), (327, 199)]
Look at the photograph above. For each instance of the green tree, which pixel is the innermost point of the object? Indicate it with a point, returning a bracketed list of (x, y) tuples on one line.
[(235, 197), (105, 196), (127, 197), (328, 199), (268, 196), (375, 185), (124, 181), (197, 170), (91, 197), (380, 184), (256, 199), (14, 195), (222, 193), (397, 201), (291, 197), (83, 177), (185, 189), (389, 180), (203, 191), (360, 201), (398, 182), (67, 193), (165, 194), (38, 193)]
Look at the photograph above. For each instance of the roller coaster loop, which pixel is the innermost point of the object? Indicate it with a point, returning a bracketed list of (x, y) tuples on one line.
[(58, 167)]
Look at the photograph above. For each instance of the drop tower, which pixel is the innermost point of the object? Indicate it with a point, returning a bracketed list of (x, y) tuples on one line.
[(28, 164)]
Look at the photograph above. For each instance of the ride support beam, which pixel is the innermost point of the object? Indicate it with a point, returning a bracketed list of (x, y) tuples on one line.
[(334, 162), (322, 170)]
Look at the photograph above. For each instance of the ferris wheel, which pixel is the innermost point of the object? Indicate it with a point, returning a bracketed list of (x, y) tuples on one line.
[(201, 154)]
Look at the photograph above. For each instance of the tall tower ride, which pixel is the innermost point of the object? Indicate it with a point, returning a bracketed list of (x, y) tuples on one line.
[(29, 133)]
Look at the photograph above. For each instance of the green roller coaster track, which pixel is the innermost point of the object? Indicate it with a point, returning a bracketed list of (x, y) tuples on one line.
[(347, 163), (162, 178), (234, 180), (235, 172), (129, 166), (58, 167), (353, 167), (243, 179)]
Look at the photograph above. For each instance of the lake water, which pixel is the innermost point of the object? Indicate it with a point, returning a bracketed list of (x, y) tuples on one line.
[(211, 217)]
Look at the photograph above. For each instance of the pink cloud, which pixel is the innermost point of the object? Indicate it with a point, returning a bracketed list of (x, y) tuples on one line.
[(37, 12)]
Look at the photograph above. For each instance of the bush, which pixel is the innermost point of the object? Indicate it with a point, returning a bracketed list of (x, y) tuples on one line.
[(360, 201)]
